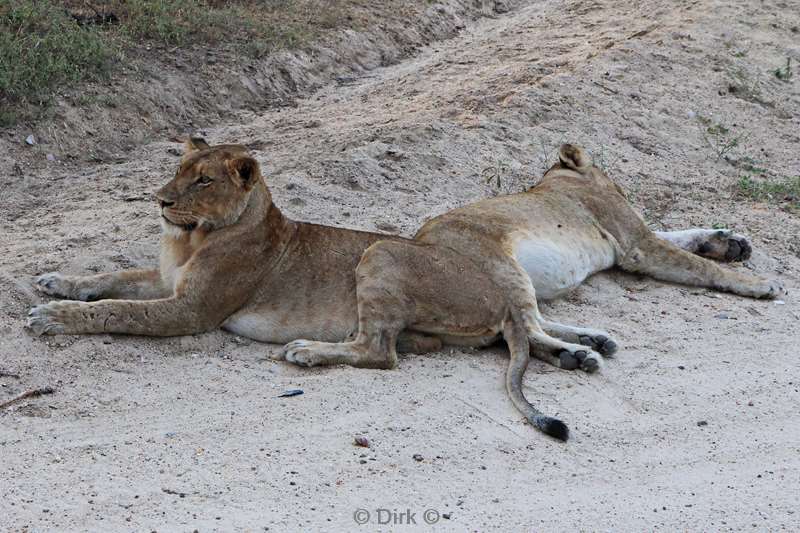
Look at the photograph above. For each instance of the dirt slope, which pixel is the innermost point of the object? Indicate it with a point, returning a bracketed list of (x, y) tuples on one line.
[(187, 433)]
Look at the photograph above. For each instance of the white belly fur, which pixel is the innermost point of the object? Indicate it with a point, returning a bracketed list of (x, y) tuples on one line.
[(558, 268), (253, 326)]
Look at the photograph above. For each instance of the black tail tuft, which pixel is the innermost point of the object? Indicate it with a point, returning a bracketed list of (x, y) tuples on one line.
[(553, 427)]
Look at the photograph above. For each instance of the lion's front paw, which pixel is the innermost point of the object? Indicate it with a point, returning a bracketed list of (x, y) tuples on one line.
[(725, 245), (301, 352), (774, 289), (45, 319), (54, 284), (587, 360), (739, 248), (75, 288)]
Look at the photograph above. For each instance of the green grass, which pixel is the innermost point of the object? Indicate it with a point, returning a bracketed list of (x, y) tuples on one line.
[(785, 73), (721, 139), (774, 190), (258, 28), (41, 47)]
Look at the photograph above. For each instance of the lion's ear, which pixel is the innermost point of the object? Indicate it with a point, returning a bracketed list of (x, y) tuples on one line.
[(574, 157), (245, 171), (193, 144)]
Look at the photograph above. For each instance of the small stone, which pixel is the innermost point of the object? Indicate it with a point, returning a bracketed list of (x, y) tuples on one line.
[(51, 157), (702, 423), (417, 457), (385, 226), (361, 441), (30, 139), (446, 516)]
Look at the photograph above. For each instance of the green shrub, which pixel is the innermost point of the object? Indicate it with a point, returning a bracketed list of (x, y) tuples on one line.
[(776, 190), (41, 47), (257, 28)]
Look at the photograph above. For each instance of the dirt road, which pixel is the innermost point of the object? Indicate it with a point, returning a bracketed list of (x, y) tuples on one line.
[(694, 426)]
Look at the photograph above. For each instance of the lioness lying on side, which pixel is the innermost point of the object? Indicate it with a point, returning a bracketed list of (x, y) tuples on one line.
[(229, 258)]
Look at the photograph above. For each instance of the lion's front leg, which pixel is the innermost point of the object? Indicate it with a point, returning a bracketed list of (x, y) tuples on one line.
[(663, 260), (125, 285), (164, 318), (717, 244)]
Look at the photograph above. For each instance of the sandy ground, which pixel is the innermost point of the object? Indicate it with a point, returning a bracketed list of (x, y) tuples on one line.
[(188, 433)]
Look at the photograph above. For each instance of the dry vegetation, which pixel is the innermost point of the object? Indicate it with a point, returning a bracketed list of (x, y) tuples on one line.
[(45, 44)]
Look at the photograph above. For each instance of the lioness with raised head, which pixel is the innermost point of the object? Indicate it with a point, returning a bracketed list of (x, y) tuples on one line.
[(229, 258)]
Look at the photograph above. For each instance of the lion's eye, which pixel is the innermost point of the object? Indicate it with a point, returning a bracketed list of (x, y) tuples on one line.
[(204, 180)]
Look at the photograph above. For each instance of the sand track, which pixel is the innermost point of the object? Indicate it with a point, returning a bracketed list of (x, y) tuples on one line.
[(137, 422)]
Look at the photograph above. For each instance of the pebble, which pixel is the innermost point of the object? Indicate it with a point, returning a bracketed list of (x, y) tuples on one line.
[(417, 457), (30, 139), (361, 441), (702, 423)]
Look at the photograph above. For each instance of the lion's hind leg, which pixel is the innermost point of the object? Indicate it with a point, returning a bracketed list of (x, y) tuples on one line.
[(358, 353), (384, 311), (375, 345), (595, 339), (550, 349)]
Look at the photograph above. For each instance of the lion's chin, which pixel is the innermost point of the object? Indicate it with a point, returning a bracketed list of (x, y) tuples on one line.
[(169, 225)]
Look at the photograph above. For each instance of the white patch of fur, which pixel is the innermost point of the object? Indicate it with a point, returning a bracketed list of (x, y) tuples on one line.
[(556, 268), (691, 239), (171, 230), (253, 326)]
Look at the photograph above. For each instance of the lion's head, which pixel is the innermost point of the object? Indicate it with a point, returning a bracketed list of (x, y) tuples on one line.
[(211, 187)]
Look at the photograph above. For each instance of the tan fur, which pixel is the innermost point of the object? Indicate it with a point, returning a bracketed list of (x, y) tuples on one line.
[(229, 258), (474, 273)]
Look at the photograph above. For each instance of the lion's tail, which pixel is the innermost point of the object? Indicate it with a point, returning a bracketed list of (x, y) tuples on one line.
[(519, 347)]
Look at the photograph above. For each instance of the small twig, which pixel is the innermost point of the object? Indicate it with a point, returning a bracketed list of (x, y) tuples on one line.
[(609, 89), (5, 374), (29, 394)]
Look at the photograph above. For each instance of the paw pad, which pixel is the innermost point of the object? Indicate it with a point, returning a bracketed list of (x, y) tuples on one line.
[(600, 343), (582, 359)]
